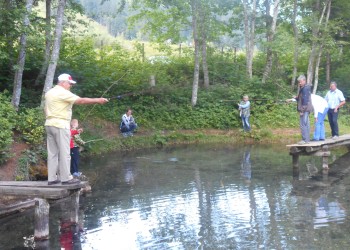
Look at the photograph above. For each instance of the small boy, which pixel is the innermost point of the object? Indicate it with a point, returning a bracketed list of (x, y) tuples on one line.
[(244, 108), (75, 142)]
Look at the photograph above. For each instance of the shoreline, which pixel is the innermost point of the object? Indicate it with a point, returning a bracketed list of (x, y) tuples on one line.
[(147, 139)]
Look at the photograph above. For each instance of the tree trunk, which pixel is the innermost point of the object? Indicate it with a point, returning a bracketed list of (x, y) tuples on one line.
[(246, 35), (47, 44), (196, 53), (270, 38), (328, 67), (17, 85), (313, 54), (317, 67), (296, 42), (328, 6), (249, 35), (56, 48), (202, 27), (204, 63)]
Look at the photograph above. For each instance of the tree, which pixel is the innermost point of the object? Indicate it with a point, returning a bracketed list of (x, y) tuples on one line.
[(270, 37), (203, 27), (296, 42), (167, 20), (56, 47), (17, 86), (321, 46), (317, 22), (47, 43), (249, 34), (194, 7)]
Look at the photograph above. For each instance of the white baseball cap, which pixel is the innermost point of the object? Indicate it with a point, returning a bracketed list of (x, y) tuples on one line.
[(66, 77)]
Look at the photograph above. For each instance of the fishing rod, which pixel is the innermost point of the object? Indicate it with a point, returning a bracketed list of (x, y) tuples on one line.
[(264, 99), (113, 83), (94, 140), (142, 92)]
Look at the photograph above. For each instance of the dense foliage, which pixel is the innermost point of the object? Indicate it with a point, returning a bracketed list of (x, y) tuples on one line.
[(7, 124), (125, 68)]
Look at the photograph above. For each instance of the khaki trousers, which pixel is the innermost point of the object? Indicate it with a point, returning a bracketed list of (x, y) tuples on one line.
[(58, 153)]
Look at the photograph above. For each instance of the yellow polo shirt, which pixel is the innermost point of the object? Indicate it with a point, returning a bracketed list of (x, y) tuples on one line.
[(58, 107)]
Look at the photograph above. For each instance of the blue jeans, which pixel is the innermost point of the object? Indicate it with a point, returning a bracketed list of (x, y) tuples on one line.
[(305, 126), (245, 122), (74, 163), (319, 133), (131, 128)]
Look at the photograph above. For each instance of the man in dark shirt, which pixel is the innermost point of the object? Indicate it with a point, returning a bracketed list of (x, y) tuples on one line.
[(304, 108)]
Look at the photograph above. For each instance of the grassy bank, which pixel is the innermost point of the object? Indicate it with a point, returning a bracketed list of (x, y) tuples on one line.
[(162, 138)]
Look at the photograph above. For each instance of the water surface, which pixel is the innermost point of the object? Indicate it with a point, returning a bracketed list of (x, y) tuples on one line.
[(202, 197)]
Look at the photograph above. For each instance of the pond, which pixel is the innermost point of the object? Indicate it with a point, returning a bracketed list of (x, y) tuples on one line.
[(201, 197)]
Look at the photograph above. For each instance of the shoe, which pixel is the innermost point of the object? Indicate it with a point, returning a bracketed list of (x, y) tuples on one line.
[(321, 139), (70, 182), (125, 134), (335, 137), (77, 174), (315, 140), (53, 182)]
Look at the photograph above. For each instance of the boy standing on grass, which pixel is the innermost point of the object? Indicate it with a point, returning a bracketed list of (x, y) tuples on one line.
[(75, 142), (244, 108)]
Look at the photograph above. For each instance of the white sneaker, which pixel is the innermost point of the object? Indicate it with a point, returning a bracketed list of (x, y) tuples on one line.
[(335, 137)]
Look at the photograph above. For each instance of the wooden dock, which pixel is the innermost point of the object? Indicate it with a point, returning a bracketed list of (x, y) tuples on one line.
[(318, 148), (39, 195)]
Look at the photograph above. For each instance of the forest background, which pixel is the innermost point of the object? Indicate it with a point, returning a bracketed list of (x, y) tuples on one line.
[(181, 65)]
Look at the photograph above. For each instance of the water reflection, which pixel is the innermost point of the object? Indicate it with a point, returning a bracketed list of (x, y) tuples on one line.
[(207, 198), (246, 168), (327, 210)]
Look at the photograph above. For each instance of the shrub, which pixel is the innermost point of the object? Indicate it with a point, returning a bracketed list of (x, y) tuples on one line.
[(7, 123), (30, 124)]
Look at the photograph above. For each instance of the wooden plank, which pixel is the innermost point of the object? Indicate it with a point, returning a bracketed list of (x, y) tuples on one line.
[(322, 153), (341, 140), (42, 184), (295, 150), (312, 149), (47, 193), (16, 207)]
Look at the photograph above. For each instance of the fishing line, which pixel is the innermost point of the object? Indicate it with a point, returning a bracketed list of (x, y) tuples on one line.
[(265, 99), (242, 64), (113, 83)]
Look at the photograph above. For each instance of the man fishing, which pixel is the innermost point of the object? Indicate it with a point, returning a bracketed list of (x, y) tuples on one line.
[(304, 108), (58, 111)]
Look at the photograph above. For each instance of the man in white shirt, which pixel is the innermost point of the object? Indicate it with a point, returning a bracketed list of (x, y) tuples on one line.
[(320, 106), (335, 99)]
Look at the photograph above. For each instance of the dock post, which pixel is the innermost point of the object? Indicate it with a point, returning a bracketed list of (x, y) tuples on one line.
[(74, 199), (41, 219), (325, 162), (295, 160)]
